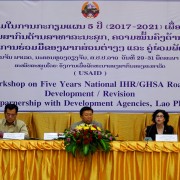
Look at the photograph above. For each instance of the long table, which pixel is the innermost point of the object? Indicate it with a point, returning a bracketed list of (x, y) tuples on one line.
[(128, 160)]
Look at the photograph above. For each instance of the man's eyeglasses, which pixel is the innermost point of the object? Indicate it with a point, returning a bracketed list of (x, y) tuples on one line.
[(160, 116), (12, 115)]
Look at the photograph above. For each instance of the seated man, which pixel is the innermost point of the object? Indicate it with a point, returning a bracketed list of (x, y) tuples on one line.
[(10, 124), (86, 115)]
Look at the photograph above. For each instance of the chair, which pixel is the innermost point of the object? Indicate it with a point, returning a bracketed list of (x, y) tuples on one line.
[(27, 118), (50, 122), (127, 126)]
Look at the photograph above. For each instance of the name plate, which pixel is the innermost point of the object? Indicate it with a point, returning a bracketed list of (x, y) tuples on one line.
[(50, 136), (61, 135), (13, 135), (167, 137)]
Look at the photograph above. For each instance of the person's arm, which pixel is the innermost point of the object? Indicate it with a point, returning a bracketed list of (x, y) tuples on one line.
[(171, 130), (23, 129), (73, 126), (144, 132), (98, 124)]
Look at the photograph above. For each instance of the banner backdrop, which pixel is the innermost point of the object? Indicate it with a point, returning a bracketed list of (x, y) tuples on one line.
[(111, 55)]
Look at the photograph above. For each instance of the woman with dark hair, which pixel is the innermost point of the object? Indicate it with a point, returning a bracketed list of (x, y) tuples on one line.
[(160, 119)]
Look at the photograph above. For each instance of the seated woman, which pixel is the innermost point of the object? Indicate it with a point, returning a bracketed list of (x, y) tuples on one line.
[(160, 119)]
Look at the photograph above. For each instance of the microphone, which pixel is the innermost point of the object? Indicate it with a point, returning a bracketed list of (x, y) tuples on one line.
[(150, 130), (148, 138)]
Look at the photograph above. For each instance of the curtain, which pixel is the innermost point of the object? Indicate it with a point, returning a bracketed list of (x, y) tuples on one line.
[(47, 160)]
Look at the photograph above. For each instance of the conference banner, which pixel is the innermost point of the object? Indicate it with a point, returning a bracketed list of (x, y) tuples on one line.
[(117, 56)]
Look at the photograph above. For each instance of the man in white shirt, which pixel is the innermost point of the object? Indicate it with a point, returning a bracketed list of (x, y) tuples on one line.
[(10, 124)]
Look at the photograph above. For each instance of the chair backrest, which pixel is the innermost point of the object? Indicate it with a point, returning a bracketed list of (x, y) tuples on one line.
[(127, 126), (103, 118), (27, 118), (75, 117), (1, 115), (50, 122)]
